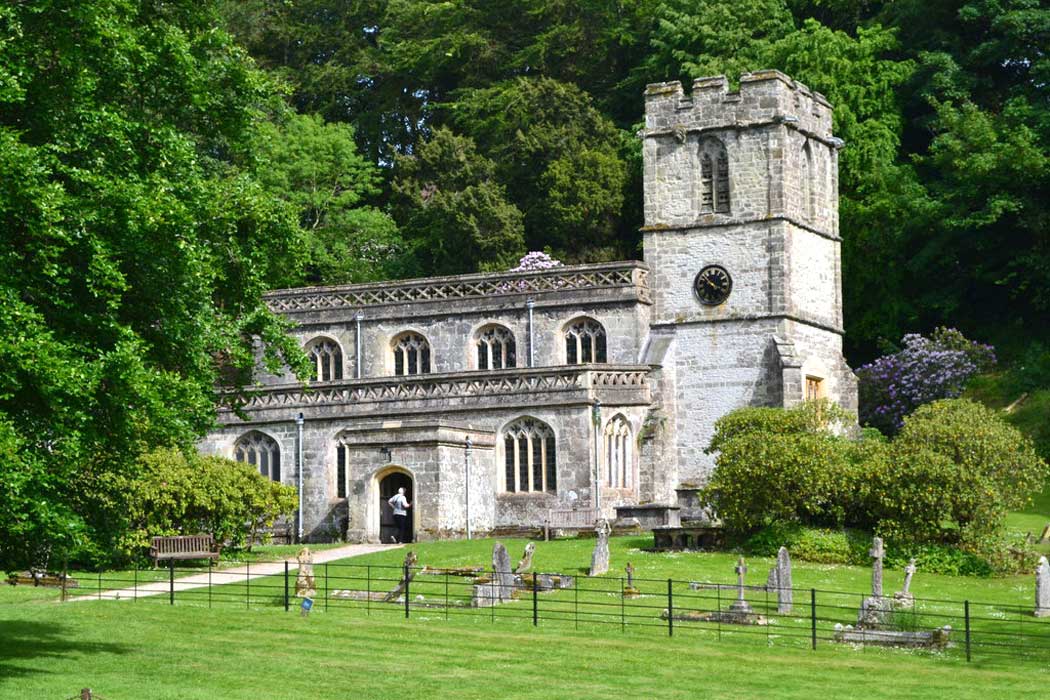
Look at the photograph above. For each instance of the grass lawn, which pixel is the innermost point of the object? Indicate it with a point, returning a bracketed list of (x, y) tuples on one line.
[(149, 649)]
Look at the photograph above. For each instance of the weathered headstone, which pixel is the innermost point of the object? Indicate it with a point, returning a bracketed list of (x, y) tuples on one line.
[(785, 597), (304, 581), (904, 597), (502, 575), (629, 570), (876, 553), (1042, 589), (740, 605), (408, 566), (874, 609), (526, 560), (1044, 537), (600, 555)]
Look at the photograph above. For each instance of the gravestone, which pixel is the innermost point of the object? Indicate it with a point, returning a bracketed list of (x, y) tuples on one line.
[(1042, 589), (526, 560), (904, 597), (740, 606), (1044, 537), (874, 609), (409, 565), (629, 591), (876, 553), (600, 555), (784, 585), (304, 581), (502, 575)]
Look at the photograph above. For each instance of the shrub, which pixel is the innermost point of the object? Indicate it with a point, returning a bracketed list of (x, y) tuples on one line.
[(180, 494), (815, 417), (925, 370), (954, 462), (765, 477)]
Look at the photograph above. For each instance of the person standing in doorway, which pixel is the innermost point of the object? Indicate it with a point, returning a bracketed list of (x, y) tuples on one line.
[(401, 505)]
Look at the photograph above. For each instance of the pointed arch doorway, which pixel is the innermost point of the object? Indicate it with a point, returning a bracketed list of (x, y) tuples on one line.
[(389, 483)]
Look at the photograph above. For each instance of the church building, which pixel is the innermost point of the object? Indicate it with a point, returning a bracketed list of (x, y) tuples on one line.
[(497, 399)]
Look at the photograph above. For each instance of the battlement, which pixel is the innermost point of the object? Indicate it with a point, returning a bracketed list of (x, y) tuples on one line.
[(765, 97)]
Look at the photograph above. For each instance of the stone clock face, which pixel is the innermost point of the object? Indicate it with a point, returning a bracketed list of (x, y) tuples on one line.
[(713, 285)]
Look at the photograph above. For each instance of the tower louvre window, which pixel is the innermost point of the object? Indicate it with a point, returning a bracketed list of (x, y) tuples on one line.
[(714, 177)]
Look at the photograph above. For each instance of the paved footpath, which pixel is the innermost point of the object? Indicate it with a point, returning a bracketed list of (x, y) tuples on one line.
[(236, 574)]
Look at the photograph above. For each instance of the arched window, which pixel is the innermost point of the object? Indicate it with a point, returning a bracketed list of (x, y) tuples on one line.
[(411, 354), (714, 176), (618, 463), (260, 450), (584, 342), (808, 175), (496, 348), (326, 358), (529, 457)]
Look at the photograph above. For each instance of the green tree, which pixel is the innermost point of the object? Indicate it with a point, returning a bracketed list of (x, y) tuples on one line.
[(559, 157), (136, 249), (455, 213), (317, 169)]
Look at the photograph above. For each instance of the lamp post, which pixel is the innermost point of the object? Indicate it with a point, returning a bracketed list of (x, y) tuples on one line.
[(467, 446), (299, 428), (596, 415)]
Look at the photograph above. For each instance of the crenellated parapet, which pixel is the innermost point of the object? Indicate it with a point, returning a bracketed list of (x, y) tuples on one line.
[(764, 97)]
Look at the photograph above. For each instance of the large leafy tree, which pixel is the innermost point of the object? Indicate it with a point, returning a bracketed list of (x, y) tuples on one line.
[(317, 168), (135, 251), (455, 213)]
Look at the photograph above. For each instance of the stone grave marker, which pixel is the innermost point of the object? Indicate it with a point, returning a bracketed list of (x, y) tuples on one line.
[(304, 581), (904, 596), (1042, 588), (873, 609), (877, 553), (502, 575), (600, 555), (526, 560), (785, 594), (740, 605)]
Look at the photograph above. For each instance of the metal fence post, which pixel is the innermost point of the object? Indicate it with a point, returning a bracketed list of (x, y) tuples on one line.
[(670, 610), (210, 562), (576, 600), (966, 613), (326, 586), (368, 591), (171, 582), (286, 585), (100, 584), (535, 603), (623, 602), (248, 584), (813, 617), (406, 591), (135, 591)]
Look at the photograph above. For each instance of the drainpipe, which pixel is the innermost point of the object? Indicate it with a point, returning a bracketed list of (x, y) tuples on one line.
[(466, 484), (596, 413), (529, 303), (358, 317), (299, 426)]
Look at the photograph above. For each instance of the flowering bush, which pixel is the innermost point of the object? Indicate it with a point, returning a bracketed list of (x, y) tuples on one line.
[(536, 260), (532, 261), (925, 370)]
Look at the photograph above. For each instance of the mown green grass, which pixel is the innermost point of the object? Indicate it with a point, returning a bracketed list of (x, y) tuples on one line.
[(151, 650)]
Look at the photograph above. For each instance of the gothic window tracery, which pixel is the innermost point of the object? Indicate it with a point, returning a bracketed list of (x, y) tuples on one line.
[(261, 451), (495, 348), (326, 358), (618, 463), (411, 354), (714, 177), (530, 457), (585, 342)]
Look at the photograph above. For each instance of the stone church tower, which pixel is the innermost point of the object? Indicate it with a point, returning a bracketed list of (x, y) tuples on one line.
[(741, 236)]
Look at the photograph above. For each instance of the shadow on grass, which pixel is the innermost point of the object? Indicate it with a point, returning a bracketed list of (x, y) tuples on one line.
[(33, 642)]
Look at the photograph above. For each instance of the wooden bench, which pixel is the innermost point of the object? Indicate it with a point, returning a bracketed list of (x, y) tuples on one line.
[(183, 547)]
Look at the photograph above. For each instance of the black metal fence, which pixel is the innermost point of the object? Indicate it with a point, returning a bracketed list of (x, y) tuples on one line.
[(714, 610)]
